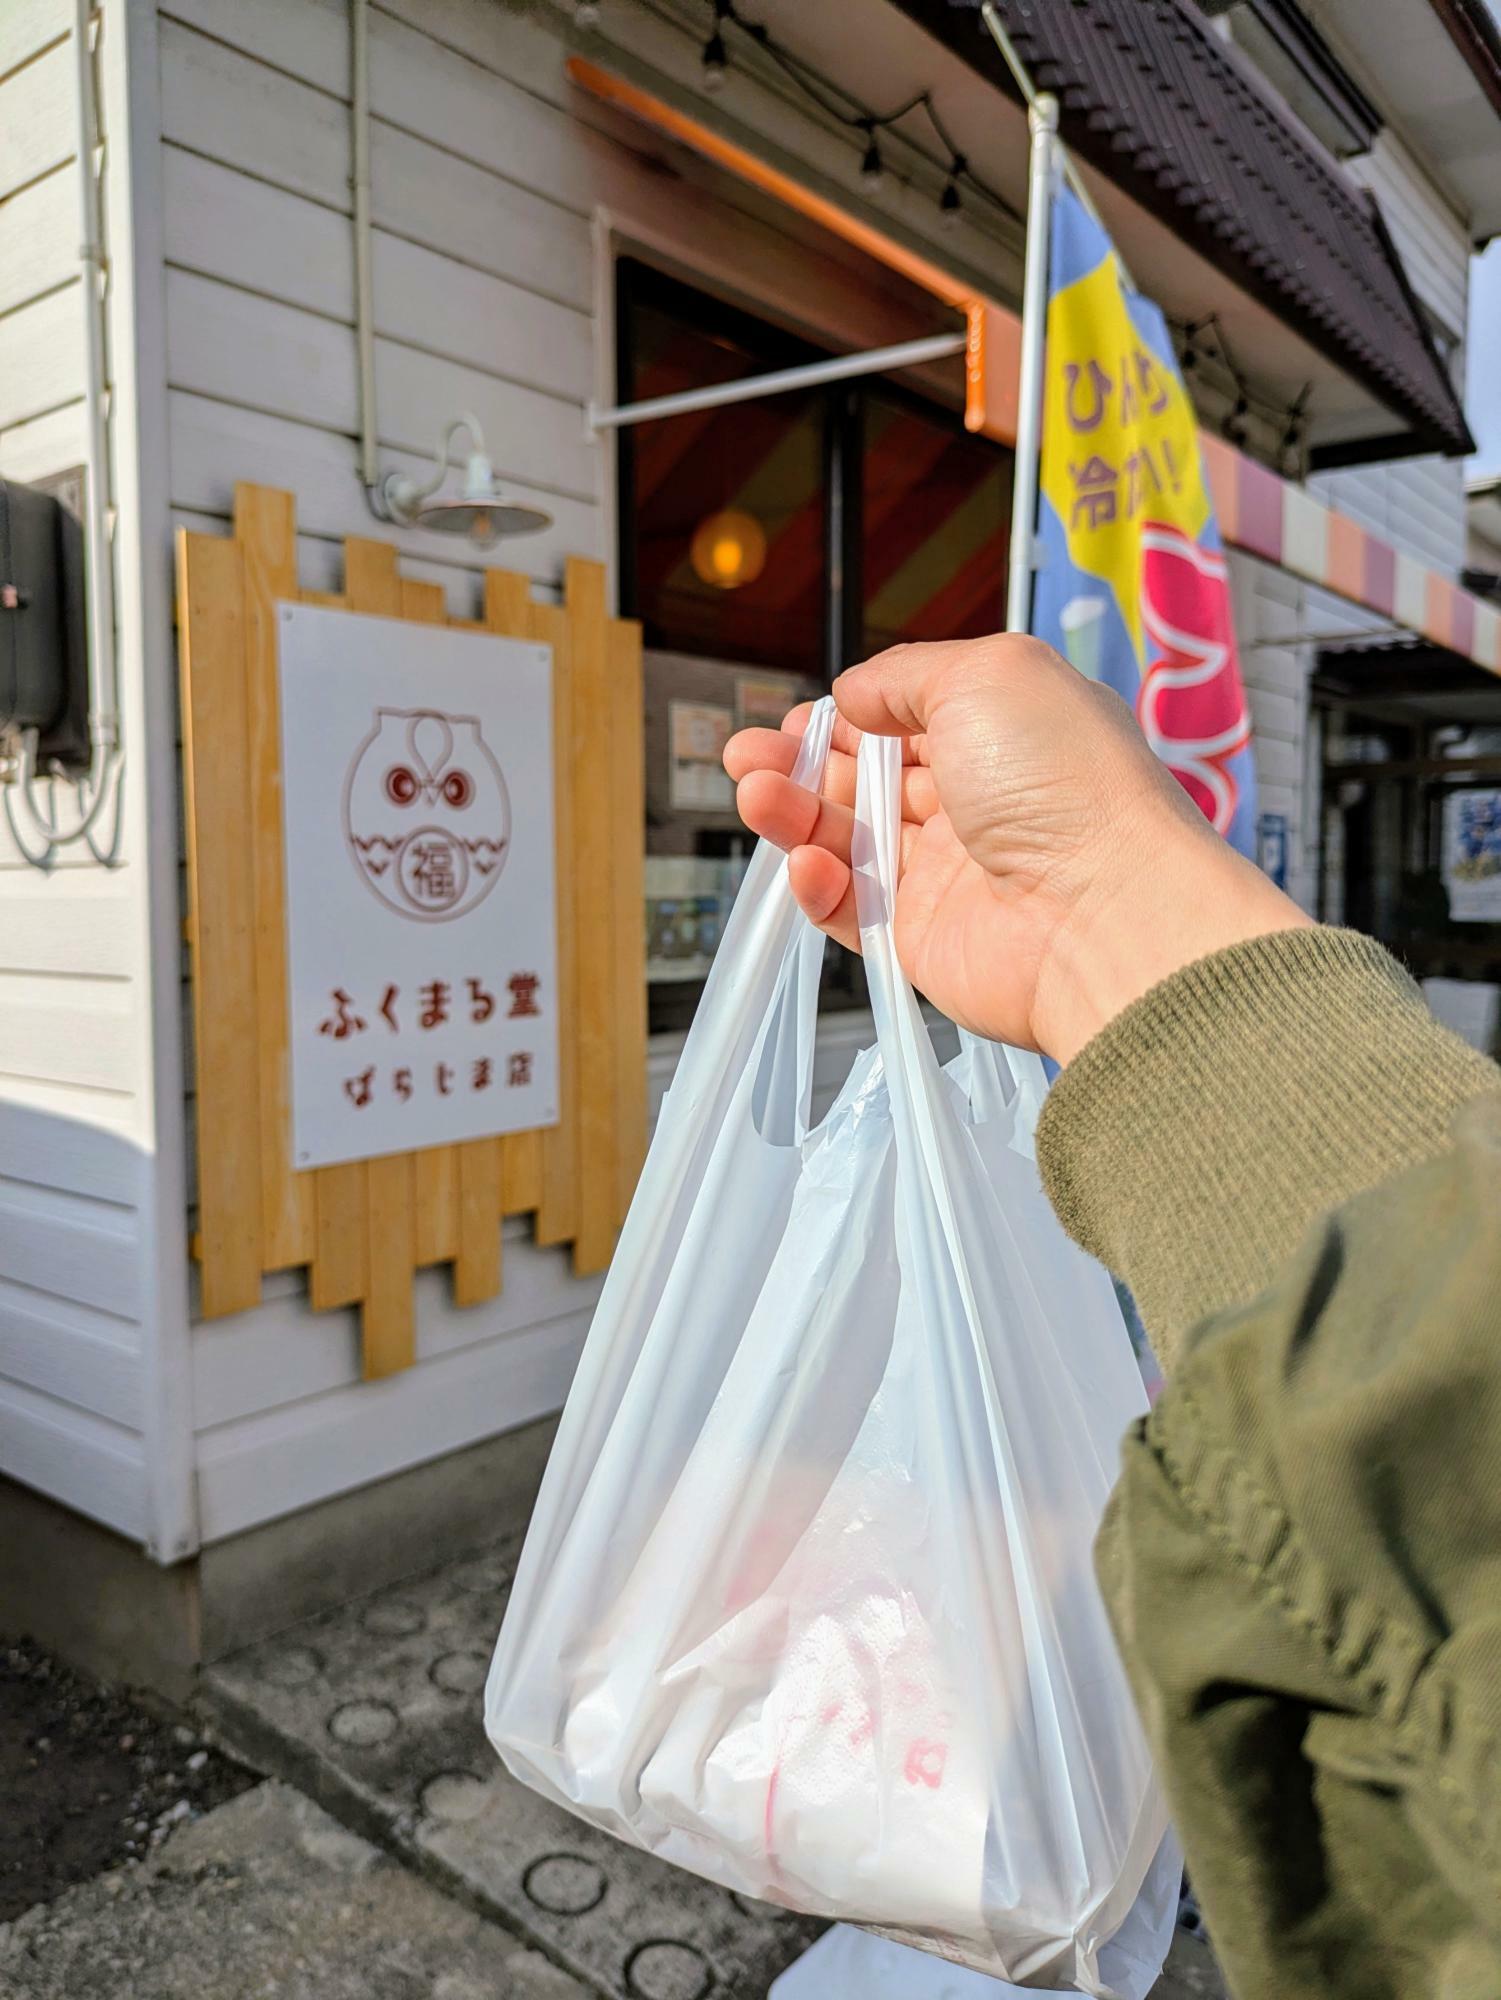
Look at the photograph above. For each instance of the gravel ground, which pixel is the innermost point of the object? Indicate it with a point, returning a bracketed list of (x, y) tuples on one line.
[(90, 1777)]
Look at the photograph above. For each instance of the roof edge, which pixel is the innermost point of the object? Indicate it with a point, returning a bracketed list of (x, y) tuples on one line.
[(1474, 33)]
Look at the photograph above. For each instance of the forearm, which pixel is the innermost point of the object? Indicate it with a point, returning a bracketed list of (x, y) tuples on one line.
[(1191, 1144)]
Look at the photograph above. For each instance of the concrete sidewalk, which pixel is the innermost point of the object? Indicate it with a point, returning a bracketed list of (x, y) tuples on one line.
[(374, 1710), (267, 1895)]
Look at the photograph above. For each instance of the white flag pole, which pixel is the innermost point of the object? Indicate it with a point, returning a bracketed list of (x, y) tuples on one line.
[(1042, 118)]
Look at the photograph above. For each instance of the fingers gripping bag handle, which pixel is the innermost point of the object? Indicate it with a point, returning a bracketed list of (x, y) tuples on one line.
[(717, 1182), (1012, 1448)]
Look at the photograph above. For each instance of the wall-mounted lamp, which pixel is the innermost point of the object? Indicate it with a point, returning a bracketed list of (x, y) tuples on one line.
[(482, 511)]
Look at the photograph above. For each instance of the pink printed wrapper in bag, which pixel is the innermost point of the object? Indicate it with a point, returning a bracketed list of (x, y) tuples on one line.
[(807, 1604)]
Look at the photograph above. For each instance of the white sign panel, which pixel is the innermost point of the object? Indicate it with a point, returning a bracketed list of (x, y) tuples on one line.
[(421, 932), (1472, 856)]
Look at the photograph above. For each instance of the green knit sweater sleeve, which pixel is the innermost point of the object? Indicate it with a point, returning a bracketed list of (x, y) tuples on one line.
[(1194, 1141)]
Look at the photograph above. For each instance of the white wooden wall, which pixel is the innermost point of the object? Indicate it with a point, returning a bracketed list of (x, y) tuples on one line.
[(76, 1130), (488, 172), (1418, 504)]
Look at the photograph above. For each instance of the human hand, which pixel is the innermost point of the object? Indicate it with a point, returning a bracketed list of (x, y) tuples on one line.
[(1052, 869)]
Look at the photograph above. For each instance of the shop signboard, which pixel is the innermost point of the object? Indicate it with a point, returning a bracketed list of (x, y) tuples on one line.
[(417, 804), (1472, 856)]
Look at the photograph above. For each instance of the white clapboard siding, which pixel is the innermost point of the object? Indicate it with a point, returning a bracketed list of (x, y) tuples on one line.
[(315, 1356), (243, 349), (41, 356), (64, 1030), (423, 192), (27, 27), (36, 118), (74, 1167), (214, 444), (71, 1140), (284, 1459), (231, 108), (49, 444), (1416, 504), (83, 1460), (38, 239), (89, 933), (221, 224), (73, 1353), (309, 39), (1430, 236), (70, 1246)]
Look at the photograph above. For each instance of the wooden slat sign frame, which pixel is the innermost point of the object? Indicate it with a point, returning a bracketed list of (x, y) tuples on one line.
[(363, 1229)]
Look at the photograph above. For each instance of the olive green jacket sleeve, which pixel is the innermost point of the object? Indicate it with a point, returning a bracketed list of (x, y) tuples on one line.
[(1298, 1173)]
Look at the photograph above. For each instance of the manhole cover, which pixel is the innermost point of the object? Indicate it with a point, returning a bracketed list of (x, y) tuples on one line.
[(565, 1884), (667, 1970), (363, 1724)]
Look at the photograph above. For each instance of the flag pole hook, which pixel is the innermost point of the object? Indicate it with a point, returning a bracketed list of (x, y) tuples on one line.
[(1030, 94)]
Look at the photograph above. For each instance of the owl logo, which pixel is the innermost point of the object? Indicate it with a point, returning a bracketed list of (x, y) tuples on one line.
[(427, 818)]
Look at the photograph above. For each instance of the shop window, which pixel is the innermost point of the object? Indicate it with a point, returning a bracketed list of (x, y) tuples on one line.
[(764, 546), (935, 519)]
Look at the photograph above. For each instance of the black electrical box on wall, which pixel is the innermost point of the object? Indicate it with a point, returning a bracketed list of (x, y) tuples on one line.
[(44, 668)]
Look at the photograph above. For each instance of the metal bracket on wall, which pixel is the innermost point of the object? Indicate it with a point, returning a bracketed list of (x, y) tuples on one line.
[(839, 368)]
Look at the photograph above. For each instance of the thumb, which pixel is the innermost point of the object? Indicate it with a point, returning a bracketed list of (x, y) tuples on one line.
[(899, 692)]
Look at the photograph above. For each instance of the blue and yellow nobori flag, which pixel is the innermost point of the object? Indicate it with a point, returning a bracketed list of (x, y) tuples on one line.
[(1132, 584)]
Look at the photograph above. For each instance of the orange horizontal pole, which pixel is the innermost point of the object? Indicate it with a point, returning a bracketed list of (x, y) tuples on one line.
[(993, 333)]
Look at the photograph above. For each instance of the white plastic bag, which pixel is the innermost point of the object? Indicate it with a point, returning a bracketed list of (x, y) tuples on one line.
[(807, 1602)]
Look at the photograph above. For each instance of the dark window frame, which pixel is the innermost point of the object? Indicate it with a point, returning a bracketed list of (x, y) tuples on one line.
[(637, 282)]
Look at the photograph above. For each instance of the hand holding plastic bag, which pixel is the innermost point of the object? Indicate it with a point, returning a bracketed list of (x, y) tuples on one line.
[(807, 1604)]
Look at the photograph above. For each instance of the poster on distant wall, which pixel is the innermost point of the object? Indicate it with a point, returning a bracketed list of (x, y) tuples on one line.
[(1472, 856), (697, 732), (417, 812)]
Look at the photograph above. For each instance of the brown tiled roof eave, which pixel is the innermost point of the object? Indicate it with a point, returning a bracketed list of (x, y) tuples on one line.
[(1153, 99)]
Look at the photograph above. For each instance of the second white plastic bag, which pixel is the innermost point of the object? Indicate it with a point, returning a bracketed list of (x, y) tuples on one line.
[(807, 1602)]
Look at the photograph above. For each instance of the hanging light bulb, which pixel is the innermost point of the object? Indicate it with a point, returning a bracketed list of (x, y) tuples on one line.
[(586, 15), (1235, 423), (872, 167), (715, 58), (728, 549), (950, 204)]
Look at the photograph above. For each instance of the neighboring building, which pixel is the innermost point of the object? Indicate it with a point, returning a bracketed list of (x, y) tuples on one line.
[(1482, 566), (1300, 188)]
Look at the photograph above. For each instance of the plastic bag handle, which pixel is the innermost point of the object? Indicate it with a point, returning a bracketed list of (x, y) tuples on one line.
[(998, 1074), (761, 996)]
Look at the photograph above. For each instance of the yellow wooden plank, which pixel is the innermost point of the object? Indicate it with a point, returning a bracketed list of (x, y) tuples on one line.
[(389, 1321), (435, 1170), (508, 597), (211, 622), (265, 524), (327, 600), (341, 1263), (435, 1220), (557, 1211), (628, 803), (594, 916), (476, 1268), (370, 579), (508, 608), (423, 601), (339, 1267)]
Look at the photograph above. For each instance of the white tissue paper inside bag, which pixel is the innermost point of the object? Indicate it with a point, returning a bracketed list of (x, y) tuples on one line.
[(807, 1603)]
